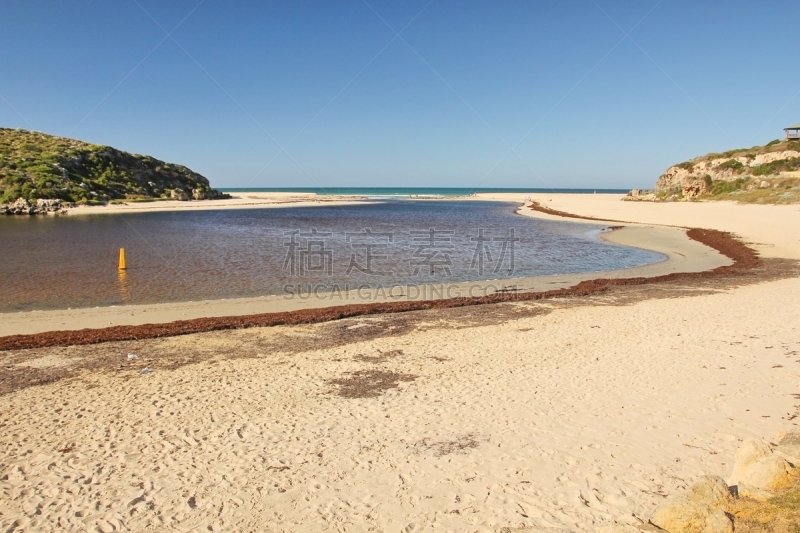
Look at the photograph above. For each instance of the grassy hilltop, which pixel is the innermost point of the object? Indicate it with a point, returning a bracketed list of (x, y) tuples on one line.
[(764, 169), (35, 165), (761, 174)]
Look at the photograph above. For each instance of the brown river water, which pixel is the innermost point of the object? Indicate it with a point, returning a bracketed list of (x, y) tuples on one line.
[(59, 262)]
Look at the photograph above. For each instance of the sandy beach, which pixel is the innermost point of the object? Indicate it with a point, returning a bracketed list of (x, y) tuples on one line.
[(566, 413), (244, 200)]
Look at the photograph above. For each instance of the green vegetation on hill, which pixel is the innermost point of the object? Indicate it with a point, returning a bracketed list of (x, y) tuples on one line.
[(737, 167), (760, 174), (744, 190), (749, 191), (777, 145), (36, 165)]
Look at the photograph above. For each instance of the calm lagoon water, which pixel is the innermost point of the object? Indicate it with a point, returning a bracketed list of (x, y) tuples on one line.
[(67, 262)]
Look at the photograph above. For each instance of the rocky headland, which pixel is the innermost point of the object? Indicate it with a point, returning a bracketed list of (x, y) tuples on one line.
[(761, 174), (42, 174)]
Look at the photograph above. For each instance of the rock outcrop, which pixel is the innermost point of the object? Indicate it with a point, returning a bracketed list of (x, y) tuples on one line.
[(699, 509), (694, 188), (706, 505), (637, 195), (789, 448), (758, 467), (41, 207), (179, 194), (770, 160)]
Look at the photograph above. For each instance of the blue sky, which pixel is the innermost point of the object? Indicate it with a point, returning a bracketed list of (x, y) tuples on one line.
[(574, 93)]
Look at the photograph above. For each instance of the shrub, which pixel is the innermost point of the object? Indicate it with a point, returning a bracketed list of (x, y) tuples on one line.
[(733, 165), (730, 153), (725, 187), (27, 191), (11, 195), (776, 167)]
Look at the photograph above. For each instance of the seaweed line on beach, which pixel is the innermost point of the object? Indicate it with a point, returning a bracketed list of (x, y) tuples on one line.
[(25, 368)]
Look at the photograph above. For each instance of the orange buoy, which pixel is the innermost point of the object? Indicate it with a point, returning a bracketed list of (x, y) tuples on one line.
[(122, 259)]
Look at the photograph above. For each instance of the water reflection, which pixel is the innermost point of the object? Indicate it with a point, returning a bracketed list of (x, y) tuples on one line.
[(123, 290)]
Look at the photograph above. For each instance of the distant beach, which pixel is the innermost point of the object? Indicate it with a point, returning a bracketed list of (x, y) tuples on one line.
[(252, 198), (416, 192)]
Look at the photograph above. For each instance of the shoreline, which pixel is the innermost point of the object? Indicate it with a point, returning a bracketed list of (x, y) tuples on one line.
[(683, 254), (731, 257), (266, 200), (244, 200), (763, 227)]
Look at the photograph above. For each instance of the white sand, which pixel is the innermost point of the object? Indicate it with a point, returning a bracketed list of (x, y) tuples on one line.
[(569, 418), (239, 200), (771, 229)]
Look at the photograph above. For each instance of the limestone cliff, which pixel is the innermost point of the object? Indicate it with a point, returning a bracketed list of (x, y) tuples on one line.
[(775, 159)]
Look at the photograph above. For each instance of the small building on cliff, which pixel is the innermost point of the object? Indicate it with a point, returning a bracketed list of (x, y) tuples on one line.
[(792, 132)]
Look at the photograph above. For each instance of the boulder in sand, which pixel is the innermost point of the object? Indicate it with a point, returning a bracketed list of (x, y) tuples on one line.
[(750, 452), (756, 466), (699, 509), (789, 448), (769, 473), (681, 515), (711, 490), (793, 437), (752, 493)]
